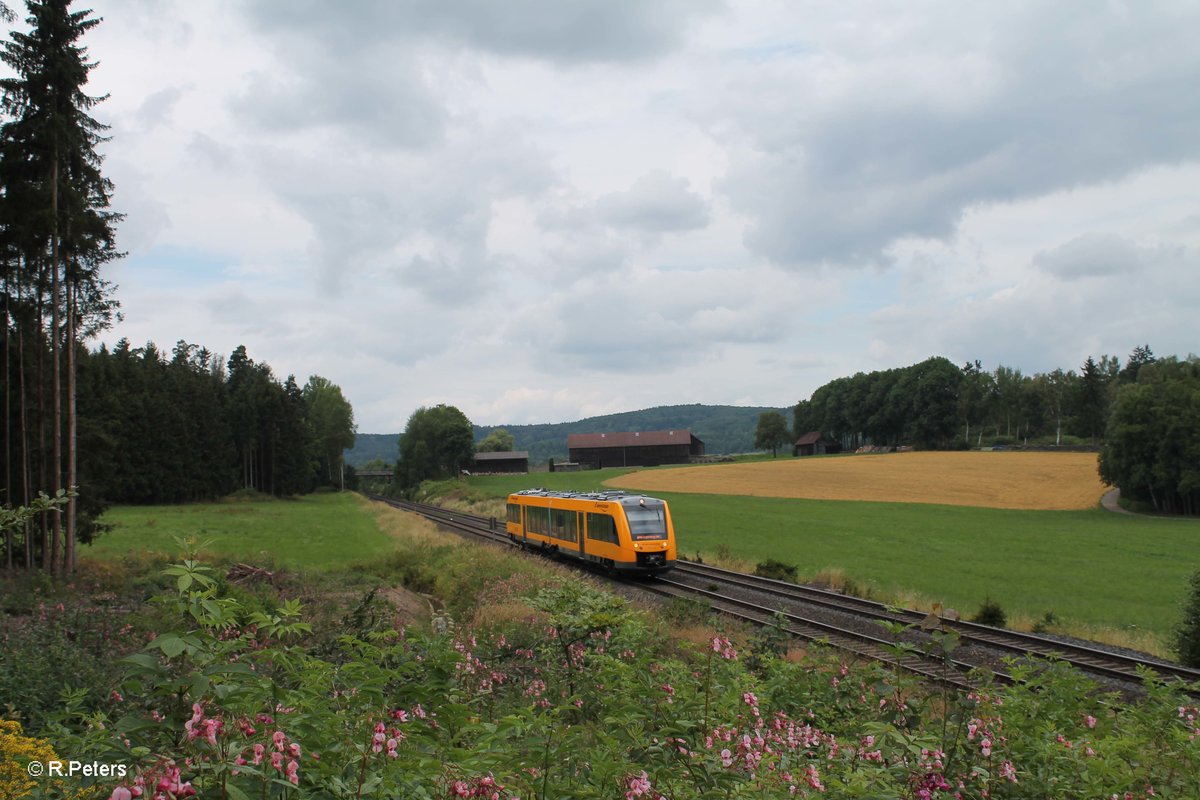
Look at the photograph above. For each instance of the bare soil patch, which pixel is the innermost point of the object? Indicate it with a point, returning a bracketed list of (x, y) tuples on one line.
[(1037, 481)]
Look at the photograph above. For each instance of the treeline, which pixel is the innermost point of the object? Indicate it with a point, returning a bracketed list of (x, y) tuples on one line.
[(159, 427), (187, 426), (939, 405)]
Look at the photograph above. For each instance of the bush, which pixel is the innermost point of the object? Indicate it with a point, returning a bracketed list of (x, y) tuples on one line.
[(1187, 635), (990, 613), (777, 570), (1048, 622)]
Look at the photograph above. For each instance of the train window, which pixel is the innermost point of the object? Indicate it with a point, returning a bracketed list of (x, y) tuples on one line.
[(564, 525), (514, 513), (602, 528), (537, 520), (647, 521)]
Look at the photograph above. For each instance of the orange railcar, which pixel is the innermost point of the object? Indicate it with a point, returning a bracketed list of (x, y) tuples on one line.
[(622, 532)]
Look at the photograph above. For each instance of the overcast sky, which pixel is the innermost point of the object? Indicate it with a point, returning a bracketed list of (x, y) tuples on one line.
[(541, 210)]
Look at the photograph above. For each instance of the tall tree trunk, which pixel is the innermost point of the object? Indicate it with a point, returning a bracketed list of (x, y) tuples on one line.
[(43, 469), (8, 471), (23, 432), (55, 361), (71, 430)]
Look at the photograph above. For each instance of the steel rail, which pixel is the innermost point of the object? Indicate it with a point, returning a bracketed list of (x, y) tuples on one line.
[(1098, 662), (1121, 666)]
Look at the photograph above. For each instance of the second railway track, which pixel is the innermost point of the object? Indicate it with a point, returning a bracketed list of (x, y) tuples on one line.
[(816, 614)]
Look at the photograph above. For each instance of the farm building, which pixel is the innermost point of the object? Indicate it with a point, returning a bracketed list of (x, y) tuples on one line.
[(635, 449), (502, 462), (814, 443)]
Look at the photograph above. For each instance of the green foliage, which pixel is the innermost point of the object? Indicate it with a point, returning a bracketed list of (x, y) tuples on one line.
[(1047, 623), (331, 420), (685, 611), (183, 427), (777, 570), (50, 648), (497, 441), (228, 702), (772, 432), (1187, 635), (990, 613), (437, 443), (1152, 444)]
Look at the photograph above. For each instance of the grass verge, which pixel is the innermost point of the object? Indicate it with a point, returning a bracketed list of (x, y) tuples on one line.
[(1109, 577)]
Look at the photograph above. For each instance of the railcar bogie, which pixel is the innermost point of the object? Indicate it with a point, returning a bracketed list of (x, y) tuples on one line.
[(620, 532)]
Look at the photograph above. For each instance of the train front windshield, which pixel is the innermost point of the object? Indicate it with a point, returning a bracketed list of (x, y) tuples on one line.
[(647, 522)]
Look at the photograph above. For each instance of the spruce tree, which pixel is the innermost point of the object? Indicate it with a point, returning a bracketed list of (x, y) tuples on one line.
[(53, 170)]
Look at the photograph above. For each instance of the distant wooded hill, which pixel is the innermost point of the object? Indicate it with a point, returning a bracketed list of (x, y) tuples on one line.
[(723, 429)]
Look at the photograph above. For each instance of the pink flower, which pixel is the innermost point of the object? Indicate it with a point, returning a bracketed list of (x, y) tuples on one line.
[(1090, 721), (985, 746), (278, 737), (121, 793), (638, 785), (726, 757)]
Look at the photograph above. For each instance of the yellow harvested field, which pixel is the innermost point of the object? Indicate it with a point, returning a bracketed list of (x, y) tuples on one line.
[(1041, 481)]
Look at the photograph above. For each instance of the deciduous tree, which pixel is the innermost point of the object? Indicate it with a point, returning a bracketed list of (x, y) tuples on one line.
[(437, 443), (331, 420), (1152, 443), (772, 432), (498, 440)]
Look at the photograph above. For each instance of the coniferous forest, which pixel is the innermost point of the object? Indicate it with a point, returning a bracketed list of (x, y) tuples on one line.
[(131, 425)]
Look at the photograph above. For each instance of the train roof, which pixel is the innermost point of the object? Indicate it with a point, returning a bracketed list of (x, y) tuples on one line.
[(607, 496)]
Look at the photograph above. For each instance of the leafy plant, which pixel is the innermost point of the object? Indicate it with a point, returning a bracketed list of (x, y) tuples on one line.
[(1187, 636)]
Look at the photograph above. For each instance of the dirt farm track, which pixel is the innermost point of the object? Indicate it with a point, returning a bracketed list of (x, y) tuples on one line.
[(1039, 481)]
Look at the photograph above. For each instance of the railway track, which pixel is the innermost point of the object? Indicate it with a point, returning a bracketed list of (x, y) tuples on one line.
[(712, 584)]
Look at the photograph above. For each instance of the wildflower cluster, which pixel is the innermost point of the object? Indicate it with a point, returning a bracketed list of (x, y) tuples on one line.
[(585, 703)]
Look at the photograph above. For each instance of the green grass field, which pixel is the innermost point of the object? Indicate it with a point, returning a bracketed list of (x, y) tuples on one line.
[(316, 531), (1093, 569)]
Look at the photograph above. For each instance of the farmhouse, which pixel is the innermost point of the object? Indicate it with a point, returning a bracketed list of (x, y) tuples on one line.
[(814, 443), (504, 462), (634, 449)]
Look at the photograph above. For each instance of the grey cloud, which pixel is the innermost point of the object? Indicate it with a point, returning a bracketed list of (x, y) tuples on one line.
[(217, 155), (379, 102), (656, 203), (424, 221), (1057, 96), (157, 108), (561, 32), (1043, 323), (1091, 255), (653, 321)]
